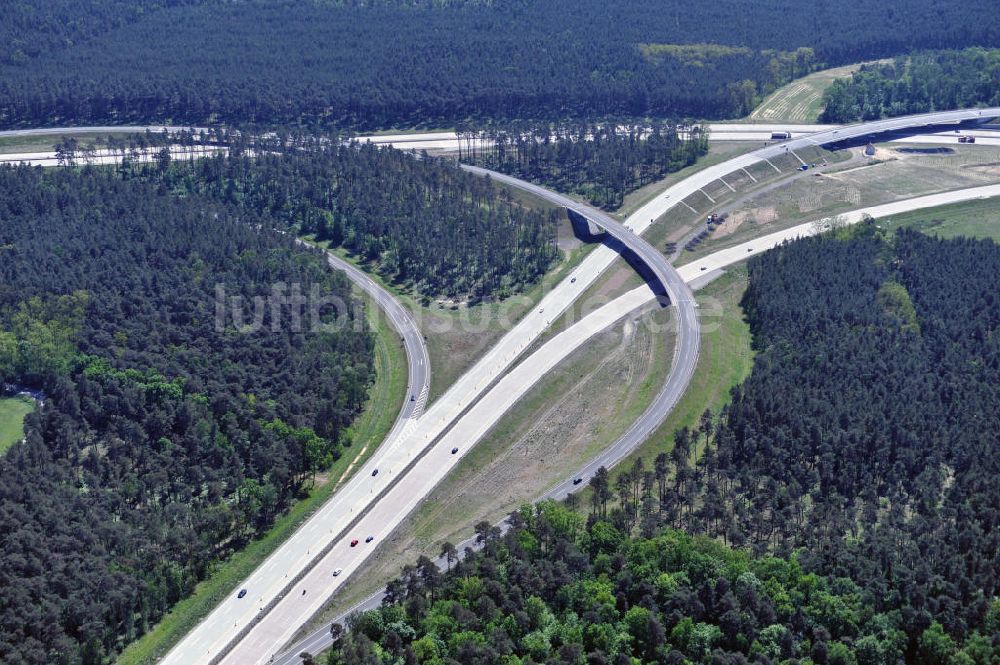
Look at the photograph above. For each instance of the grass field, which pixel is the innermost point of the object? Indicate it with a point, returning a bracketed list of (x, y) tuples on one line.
[(564, 419), (12, 413), (368, 431), (725, 360), (971, 219), (802, 99), (901, 172), (45, 142)]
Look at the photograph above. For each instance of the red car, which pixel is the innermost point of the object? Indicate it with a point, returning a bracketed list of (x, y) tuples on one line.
[(354, 542)]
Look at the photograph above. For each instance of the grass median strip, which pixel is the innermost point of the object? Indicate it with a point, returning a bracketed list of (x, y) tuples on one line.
[(971, 219), (561, 421)]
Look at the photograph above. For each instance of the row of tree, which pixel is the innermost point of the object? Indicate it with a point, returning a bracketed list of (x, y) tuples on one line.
[(600, 161), (420, 222), (427, 63), (174, 429), (920, 83)]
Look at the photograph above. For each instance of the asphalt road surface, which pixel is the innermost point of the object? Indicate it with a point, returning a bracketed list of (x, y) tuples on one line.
[(111, 129), (429, 457), (320, 639), (685, 356), (449, 142), (323, 541), (401, 319), (718, 132), (259, 632)]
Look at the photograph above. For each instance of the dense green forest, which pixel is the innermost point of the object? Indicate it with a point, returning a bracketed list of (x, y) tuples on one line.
[(853, 475), (420, 222), (30, 27), (864, 441), (556, 589), (921, 83), (372, 65), (166, 440), (600, 161)]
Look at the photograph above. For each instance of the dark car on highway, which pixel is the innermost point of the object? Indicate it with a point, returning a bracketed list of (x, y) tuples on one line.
[(354, 542), (369, 539), (242, 593)]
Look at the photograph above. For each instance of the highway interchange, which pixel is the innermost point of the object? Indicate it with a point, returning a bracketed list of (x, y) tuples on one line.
[(276, 627), (560, 346), (431, 444), (417, 455)]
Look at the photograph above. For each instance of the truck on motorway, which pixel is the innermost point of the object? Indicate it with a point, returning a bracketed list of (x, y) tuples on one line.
[(780, 136)]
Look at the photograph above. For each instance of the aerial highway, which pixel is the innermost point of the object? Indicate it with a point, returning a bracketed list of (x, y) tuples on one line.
[(847, 133), (274, 606), (257, 631), (718, 132), (685, 356), (449, 141), (278, 626), (443, 142), (439, 445), (564, 343), (108, 129)]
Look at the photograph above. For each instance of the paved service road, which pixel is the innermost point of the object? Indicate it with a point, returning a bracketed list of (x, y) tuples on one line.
[(420, 459), (376, 504), (413, 341), (565, 342), (685, 356)]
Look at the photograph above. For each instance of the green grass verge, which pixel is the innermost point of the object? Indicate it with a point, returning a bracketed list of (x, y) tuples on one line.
[(724, 360), (457, 338), (12, 413), (46, 142), (525, 465), (971, 219), (717, 153), (802, 99), (385, 399)]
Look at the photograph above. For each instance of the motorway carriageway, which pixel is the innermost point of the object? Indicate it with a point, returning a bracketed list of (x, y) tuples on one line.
[(256, 636), (729, 132), (269, 583), (448, 142), (446, 427), (514, 385)]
